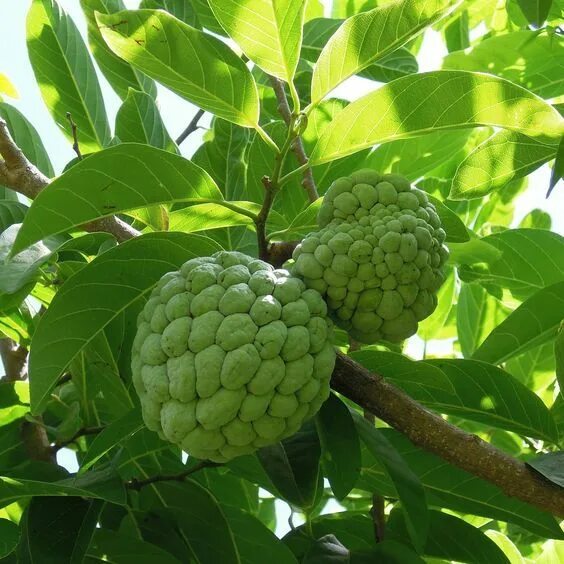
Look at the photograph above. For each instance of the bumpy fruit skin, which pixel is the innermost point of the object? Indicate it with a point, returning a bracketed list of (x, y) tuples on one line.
[(378, 258), (231, 355)]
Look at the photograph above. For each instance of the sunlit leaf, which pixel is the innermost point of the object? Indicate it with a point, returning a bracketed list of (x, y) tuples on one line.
[(195, 65), (120, 178), (66, 75), (364, 38), (268, 31), (432, 101)]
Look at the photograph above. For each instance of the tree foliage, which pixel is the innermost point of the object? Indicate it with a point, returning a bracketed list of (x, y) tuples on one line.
[(81, 251)]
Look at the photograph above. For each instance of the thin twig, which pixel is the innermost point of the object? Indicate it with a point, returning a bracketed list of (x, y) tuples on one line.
[(74, 129), (84, 431), (308, 181), (136, 484), (191, 127)]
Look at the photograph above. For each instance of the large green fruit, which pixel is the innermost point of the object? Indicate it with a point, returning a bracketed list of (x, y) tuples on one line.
[(379, 256), (231, 355)]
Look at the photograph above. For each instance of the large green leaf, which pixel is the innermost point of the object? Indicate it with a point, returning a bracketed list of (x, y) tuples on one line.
[(293, 466), (139, 121), (531, 259), (120, 178), (222, 155), (9, 535), (26, 138), (505, 156), (477, 314), (449, 487), (181, 9), (536, 11), (450, 538), (533, 60), (120, 74), (317, 33), (66, 75), (340, 446), (122, 548), (365, 38), (533, 323), (72, 521), (195, 65), (432, 101), (268, 31), (469, 389), (11, 211), (407, 484), (95, 295)]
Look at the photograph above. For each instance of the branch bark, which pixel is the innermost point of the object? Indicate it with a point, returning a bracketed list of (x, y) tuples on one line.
[(19, 174), (432, 433), (192, 126), (308, 181), (14, 359)]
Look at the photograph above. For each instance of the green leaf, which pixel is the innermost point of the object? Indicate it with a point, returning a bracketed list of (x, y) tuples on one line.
[(430, 328), (533, 323), (536, 11), (66, 75), (15, 489), (120, 74), (504, 157), (449, 487), (115, 280), (208, 216), (407, 484), (340, 446), (11, 212), (222, 156), (9, 537), (531, 259), (417, 157), (202, 521), (268, 32), (559, 358), (120, 178), (457, 34), (293, 466), (26, 138), (302, 224), (184, 60), (536, 219), (434, 101), (327, 549), (317, 33), (531, 59), (474, 251), (477, 314), (365, 38), (551, 466), (181, 9), (558, 168), (450, 538), (455, 229), (71, 520), (114, 434), (254, 540), (139, 121), (469, 389), (121, 548)]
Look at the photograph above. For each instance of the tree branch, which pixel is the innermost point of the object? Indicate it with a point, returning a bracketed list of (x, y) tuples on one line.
[(192, 126), (432, 433), (308, 181), (74, 130), (83, 432), (136, 484), (19, 174), (14, 359)]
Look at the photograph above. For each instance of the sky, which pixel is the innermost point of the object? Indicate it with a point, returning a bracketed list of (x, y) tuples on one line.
[(176, 113)]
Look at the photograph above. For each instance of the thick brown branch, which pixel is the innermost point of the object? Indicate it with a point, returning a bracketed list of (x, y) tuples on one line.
[(432, 433), (136, 484), (191, 127), (17, 173), (308, 181)]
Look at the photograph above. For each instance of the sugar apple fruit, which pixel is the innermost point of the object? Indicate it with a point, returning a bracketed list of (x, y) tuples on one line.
[(378, 258), (231, 355)]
